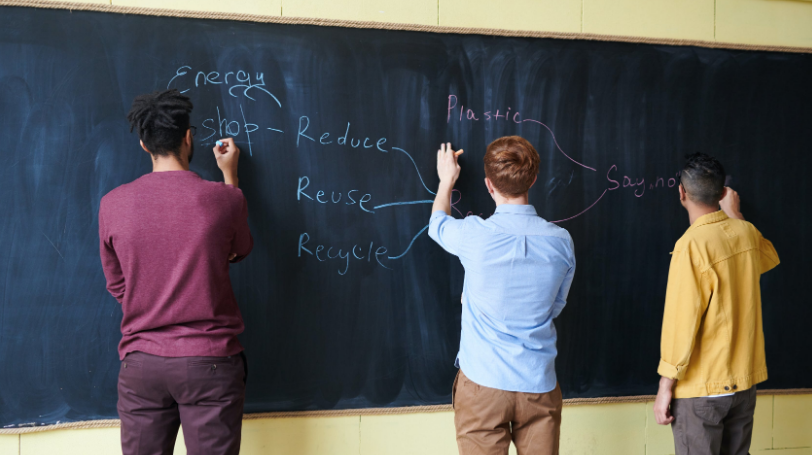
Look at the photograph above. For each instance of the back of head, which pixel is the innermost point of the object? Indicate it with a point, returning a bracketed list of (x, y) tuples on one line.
[(162, 119), (511, 164), (703, 179)]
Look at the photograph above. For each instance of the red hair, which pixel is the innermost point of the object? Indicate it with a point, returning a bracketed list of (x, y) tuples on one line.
[(511, 164)]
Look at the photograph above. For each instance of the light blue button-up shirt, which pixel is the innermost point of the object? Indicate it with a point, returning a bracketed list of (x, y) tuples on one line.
[(518, 272)]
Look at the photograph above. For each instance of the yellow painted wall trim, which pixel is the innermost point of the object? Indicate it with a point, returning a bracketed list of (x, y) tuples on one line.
[(111, 423), (394, 26)]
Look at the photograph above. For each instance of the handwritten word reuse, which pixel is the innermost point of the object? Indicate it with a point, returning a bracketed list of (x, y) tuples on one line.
[(321, 196)]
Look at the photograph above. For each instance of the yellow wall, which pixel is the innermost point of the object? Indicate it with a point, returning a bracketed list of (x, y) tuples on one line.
[(783, 426), (768, 22), (783, 423)]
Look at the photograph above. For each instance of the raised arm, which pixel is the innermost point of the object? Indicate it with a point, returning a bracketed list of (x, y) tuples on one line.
[(448, 169), (730, 204)]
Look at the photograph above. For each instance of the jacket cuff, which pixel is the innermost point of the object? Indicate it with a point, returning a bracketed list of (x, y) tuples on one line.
[(670, 371)]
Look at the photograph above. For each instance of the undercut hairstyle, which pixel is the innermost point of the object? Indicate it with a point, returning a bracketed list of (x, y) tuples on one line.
[(703, 179), (161, 119), (511, 164)]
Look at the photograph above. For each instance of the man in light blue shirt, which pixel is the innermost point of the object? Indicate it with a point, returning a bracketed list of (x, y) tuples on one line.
[(518, 272)]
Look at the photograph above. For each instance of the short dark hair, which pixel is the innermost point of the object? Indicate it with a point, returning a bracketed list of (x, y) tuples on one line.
[(703, 178), (162, 119), (511, 164)]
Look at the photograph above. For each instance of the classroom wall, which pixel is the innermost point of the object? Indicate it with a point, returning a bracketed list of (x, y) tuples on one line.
[(783, 424)]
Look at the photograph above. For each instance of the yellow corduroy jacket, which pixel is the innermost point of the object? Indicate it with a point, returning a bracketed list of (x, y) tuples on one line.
[(712, 339)]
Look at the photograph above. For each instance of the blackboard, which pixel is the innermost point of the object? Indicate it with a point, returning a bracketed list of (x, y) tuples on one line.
[(322, 113)]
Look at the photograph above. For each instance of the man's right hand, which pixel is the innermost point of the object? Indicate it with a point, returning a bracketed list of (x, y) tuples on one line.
[(448, 167), (227, 159), (730, 204), (662, 404)]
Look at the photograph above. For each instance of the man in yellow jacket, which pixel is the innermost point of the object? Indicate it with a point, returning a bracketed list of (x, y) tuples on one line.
[(712, 347)]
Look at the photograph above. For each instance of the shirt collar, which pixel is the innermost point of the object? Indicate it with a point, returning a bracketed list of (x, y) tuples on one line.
[(514, 209), (710, 218)]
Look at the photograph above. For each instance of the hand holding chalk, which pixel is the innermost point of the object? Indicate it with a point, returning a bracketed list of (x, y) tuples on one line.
[(227, 155), (731, 204), (448, 167)]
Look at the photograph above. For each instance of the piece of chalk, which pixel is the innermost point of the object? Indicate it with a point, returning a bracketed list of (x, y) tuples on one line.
[(220, 144), (458, 152)]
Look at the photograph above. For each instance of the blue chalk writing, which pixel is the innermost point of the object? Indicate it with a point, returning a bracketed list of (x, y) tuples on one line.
[(403, 203), (415, 168), (410, 243), (301, 132)]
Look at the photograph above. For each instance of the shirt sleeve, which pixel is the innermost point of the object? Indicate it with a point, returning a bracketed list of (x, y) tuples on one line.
[(564, 290), (446, 231), (110, 263), (685, 305), (243, 242), (769, 257)]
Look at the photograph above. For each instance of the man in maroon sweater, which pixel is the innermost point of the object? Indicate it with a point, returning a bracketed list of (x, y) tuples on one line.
[(166, 240)]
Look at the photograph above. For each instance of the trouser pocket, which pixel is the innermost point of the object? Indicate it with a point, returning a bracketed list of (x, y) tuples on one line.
[(454, 388)]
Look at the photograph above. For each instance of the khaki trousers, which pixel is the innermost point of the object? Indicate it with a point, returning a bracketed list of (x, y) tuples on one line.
[(488, 419)]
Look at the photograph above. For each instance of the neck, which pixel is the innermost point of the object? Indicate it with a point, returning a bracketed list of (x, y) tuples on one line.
[(168, 163), (518, 200), (696, 211)]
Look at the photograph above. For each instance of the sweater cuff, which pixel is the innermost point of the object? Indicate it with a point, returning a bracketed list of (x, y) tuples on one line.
[(670, 371)]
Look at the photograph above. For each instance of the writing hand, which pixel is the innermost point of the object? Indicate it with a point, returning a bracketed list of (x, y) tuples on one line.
[(227, 159), (448, 167), (730, 204)]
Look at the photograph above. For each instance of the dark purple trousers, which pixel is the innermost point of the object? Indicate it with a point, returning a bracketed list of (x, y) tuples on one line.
[(158, 394)]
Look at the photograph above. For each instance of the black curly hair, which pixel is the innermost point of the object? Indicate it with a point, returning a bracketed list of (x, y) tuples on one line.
[(703, 178), (162, 119)]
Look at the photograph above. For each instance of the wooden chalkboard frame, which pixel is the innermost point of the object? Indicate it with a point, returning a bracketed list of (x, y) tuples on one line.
[(115, 9)]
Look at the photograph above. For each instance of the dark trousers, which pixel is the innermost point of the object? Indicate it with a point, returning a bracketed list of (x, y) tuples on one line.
[(714, 426), (158, 394), (488, 419)]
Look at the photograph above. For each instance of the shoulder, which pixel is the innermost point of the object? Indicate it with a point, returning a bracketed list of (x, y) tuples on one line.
[(554, 230), (121, 193), (230, 193)]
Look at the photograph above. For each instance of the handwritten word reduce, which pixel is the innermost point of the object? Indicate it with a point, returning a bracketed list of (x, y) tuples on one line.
[(346, 139)]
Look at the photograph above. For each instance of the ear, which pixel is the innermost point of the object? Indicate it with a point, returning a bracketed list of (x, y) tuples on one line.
[(188, 139), (682, 194), (489, 185), (145, 147), (534, 181)]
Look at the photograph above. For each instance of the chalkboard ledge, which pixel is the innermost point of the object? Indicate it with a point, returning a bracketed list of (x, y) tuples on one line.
[(112, 423)]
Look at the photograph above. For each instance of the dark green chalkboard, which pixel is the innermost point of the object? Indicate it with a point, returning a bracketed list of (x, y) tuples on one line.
[(380, 326)]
